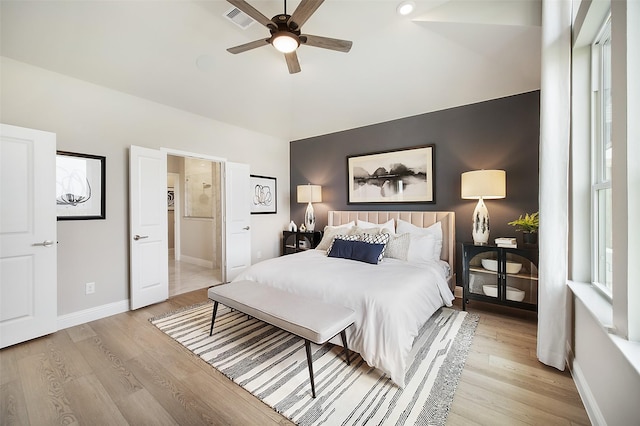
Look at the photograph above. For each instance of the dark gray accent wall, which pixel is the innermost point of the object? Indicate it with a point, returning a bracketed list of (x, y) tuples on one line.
[(497, 134)]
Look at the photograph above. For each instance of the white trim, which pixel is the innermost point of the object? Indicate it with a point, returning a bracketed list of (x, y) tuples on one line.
[(595, 303), (92, 314), (589, 401), (602, 312), (196, 261), (179, 153)]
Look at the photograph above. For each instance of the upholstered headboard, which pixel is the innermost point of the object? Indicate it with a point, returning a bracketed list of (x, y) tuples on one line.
[(421, 219)]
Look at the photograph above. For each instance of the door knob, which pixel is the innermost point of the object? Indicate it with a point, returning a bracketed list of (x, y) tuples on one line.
[(140, 237), (246, 228), (45, 243)]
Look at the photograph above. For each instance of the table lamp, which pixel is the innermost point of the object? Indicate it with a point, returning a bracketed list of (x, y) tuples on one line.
[(480, 185), (309, 194)]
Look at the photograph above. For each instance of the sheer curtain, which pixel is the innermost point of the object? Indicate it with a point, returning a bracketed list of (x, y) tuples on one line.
[(555, 101)]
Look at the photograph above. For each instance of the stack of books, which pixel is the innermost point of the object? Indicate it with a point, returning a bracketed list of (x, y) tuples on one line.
[(506, 242)]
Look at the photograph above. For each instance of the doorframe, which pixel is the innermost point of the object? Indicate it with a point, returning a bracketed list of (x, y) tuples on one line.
[(223, 162)]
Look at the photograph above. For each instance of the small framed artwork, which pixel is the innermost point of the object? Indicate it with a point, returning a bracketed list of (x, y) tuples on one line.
[(400, 176), (80, 186), (263, 195), (171, 198)]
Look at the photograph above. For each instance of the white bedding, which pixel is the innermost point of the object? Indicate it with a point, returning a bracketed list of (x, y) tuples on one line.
[(392, 300)]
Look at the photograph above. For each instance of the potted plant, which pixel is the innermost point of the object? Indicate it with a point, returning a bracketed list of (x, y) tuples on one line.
[(528, 224)]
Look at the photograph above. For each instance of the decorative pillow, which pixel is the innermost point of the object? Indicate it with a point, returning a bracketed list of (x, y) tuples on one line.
[(332, 231), (398, 246), (434, 230), (356, 250), (388, 227), (344, 238), (376, 239)]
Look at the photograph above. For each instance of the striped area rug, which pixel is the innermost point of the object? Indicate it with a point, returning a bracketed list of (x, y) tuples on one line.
[(272, 365)]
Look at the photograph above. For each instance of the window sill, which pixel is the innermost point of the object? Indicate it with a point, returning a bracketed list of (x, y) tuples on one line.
[(602, 311), (599, 307)]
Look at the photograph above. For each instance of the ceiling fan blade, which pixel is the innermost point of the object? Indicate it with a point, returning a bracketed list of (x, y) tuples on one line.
[(253, 12), (326, 42), (303, 12), (292, 62), (248, 46)]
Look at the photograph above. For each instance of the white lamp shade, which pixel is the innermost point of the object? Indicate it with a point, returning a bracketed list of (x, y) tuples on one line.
[(487, 184), (309, 194)]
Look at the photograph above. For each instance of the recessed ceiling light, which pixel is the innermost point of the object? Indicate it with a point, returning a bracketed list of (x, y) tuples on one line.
[(405, 8)]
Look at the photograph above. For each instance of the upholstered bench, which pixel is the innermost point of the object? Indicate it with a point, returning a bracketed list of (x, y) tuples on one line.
[(313, 320)]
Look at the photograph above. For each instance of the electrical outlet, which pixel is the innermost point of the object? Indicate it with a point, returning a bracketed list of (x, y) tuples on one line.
[(89, 288), (259, 254)]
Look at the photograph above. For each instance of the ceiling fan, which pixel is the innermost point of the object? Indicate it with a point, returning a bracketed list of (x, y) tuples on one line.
[(285, 32)]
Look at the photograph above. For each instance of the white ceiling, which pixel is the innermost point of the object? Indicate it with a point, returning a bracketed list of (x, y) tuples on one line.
[(446, 54)]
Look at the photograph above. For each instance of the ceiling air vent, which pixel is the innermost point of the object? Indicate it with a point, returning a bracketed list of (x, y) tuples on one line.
[(239, 18)]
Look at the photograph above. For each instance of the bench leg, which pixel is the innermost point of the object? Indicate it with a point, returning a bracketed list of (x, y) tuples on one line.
[(343, 334), (213, 317), (307, 345)]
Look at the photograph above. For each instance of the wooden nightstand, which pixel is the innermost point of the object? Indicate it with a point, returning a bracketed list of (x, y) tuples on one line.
[(293, 242)]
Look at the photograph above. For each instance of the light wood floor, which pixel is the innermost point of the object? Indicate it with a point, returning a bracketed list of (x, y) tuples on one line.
[(122, 370)]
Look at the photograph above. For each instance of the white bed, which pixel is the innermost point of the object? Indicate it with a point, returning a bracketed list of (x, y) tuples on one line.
[(392, 299)]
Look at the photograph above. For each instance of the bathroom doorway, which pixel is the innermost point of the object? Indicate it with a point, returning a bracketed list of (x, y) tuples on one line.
[(194, 203)]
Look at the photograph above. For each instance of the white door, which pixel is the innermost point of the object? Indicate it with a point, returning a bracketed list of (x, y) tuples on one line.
[(237, 220), (28, 252), (149, 270)]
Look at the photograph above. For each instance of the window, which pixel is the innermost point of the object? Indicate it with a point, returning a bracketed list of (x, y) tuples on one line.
[(602, 250)]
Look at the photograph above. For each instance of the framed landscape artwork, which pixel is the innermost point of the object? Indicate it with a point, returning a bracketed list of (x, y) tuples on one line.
[(80, 186), (263, 195), (401, 176)]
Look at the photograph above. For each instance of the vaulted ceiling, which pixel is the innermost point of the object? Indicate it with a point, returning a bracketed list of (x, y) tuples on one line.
[(447, 53)]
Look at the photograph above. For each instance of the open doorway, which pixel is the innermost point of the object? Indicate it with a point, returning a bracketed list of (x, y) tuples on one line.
[(194, 202)]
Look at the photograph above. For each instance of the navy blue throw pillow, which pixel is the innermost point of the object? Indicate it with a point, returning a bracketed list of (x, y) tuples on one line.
[(356, 250)]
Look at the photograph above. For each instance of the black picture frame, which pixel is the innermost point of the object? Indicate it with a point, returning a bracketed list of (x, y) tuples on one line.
[(398, 176), (80, 186), (264, 194), (171, 199)]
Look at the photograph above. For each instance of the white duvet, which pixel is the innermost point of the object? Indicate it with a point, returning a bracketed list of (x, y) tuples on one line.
[(392, 300)]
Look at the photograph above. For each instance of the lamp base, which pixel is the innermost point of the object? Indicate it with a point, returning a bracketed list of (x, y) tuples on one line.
[(480, 231), (309, 218)]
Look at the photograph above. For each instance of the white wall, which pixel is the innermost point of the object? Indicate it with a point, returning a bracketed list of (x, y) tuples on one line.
[(95, 120), (609, 385)]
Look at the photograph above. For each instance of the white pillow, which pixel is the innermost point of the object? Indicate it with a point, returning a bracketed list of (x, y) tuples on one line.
[(434, 230), (422, 248), (356, 230), (332, 231), (388, 227)]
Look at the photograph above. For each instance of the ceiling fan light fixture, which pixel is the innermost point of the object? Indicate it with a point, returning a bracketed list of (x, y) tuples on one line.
[(285, 42), (405, 8)]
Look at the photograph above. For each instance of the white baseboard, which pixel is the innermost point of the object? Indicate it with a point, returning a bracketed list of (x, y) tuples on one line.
[(92, 314), (195, 261), (589, 401)]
